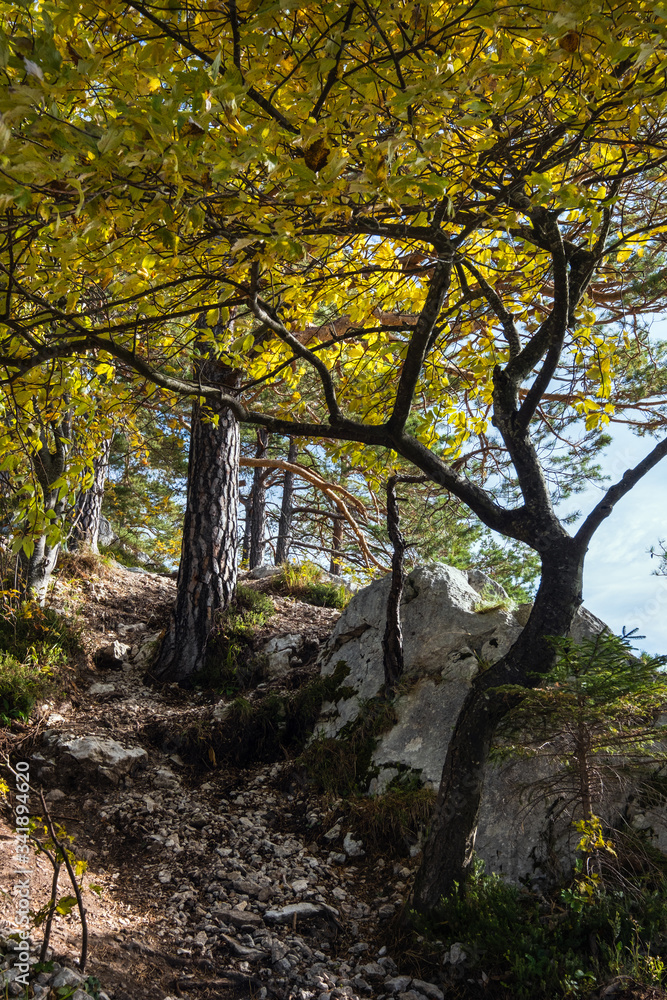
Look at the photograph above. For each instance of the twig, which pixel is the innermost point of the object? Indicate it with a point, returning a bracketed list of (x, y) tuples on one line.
[(75, 884)]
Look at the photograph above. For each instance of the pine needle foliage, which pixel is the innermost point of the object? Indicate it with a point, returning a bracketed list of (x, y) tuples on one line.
[(595, 718)]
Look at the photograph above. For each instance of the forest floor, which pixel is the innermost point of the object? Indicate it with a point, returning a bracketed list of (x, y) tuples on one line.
[(213, 880)]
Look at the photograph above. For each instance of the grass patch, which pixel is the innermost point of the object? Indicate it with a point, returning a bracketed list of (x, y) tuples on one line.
[(305, 581), (392, 822), (273, 728), (81, 565), (231, 664), (342, 765), (490, 600), (278, 726)]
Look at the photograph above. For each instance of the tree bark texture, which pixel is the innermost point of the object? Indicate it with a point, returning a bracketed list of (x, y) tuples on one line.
[(336, 545), (258, 509), (286, 508), (448, 851), (86, 529), (208, 570), (48, 466)]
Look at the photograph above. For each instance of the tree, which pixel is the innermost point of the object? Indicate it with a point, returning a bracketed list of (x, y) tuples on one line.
[(286, 512), (258, 505), (490, 176), (86, 528), (594, 719), (208, 567)]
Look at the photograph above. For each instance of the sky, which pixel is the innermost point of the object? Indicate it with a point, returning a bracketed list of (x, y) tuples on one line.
[(618, 583)]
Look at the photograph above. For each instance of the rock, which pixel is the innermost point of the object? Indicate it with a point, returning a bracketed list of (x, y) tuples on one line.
[(144, 653), (66, 977), (103, 754), (106, 535), (454, 955), (263, 572), (111, 657), (279, 652), (353, 848), (447, 640), (333, 833), (245, 886), (101, 689), (55, 795), (302, 911), (372, 970), (164, 777), (428, 989), (244, 918), (397, 984), (80, 995)]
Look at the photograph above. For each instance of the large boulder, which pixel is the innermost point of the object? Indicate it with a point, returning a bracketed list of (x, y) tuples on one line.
[(91, 756), (455, 624)]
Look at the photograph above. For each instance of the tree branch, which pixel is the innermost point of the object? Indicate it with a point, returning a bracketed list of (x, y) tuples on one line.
[(503, 314), (419, 344), (629, 479), (266, 315)]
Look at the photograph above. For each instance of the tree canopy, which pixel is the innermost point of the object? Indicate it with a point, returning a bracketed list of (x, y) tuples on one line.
[(424, 231), (430, 190)]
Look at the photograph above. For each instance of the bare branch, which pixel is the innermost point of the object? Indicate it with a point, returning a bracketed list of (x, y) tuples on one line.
[(628, 480)]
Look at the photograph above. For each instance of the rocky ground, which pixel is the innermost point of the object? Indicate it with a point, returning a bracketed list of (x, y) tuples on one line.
[(210, 880)]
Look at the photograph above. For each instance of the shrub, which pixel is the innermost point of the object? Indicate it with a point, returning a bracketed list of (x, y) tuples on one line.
[(538, 948), (393, 821), (271, 728), (341, 765), (22, 682), (25, 625)]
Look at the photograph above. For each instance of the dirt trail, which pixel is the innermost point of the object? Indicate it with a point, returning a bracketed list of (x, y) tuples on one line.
[(196, 861)]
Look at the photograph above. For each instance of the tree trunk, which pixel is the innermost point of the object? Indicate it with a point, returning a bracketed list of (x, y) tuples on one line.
[(258, 511), (49, 466), (86, 528), (448, 851), (336, 545), (285, 520), (207, 572), (392, 641), (245, 550)]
